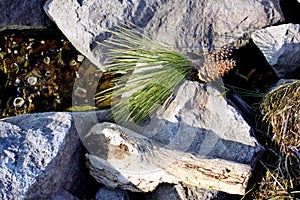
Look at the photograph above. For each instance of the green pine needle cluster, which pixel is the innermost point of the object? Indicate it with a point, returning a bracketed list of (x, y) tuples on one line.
[(150, 73)]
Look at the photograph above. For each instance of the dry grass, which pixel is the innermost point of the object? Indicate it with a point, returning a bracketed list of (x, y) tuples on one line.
[(281, 110)]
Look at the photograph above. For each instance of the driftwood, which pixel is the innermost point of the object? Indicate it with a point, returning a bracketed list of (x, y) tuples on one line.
[(122, 158)]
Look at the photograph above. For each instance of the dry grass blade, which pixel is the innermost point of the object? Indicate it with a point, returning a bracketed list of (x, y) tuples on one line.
[(281, 109)]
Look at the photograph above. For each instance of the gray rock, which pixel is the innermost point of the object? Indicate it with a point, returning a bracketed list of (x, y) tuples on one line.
[(281, 47), (281, 82), (23, 14), (187, 25), (63, 195), (196, 129), (184, 192), (111, 194), (198, 193), (84, 121), (167, 191), (41, 154), (199, 120)]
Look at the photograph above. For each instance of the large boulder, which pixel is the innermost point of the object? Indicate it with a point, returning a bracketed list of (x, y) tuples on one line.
[(200, 120), (39, 155), (23, 14), (42, 155), (281, 47), (197, 139), (186, 25)]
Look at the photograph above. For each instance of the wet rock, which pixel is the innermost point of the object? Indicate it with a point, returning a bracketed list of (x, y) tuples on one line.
[(195, 129), (111, 194), (39, 77), (187, 25), (23, 14), (41, 154), (281, 47)]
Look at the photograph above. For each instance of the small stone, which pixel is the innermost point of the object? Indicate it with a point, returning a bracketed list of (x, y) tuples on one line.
[(63, 195), (47, 73), (32, 80), (80, 92), (80, 58), (73, 63), (47, 60), (18, 81), (111, 194), (182, 191), (281, 48), (18, 102)]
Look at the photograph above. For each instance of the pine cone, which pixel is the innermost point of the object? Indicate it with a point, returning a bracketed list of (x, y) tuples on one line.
[(216, 64)]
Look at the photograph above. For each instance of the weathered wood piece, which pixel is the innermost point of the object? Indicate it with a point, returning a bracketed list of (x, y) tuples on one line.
[(124, 159)]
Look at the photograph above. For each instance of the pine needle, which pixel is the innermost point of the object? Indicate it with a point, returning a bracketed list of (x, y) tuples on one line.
[(151, 72)]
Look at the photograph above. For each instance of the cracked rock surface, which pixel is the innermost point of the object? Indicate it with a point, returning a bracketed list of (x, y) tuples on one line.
[(39, 156), (281, 47), (186, 25)]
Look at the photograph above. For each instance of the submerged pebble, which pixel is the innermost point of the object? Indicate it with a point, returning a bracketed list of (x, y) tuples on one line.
[(32, 80), (18, 102), (80, 92)]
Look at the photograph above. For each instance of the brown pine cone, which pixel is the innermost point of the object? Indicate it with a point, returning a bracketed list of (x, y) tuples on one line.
[(216, 64)]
